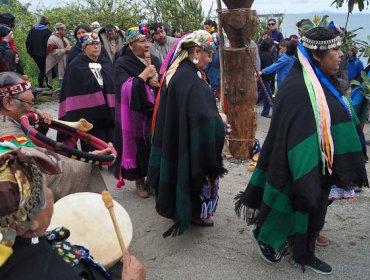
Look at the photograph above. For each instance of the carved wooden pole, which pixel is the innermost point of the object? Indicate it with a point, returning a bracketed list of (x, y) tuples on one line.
[(221, 49), (238, 76)]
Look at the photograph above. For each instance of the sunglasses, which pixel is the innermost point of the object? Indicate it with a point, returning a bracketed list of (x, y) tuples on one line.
[(271, 24)]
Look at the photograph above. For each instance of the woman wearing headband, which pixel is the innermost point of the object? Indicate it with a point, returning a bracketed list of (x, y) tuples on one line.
[(287, 196), (88, 91), (136, 78), (188, 136)]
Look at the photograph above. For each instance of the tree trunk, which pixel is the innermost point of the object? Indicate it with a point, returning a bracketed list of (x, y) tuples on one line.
[(241, 94), (240, 86)]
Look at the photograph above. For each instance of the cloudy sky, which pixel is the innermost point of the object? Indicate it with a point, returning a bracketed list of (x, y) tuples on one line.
[(287, 6), (262, 6)]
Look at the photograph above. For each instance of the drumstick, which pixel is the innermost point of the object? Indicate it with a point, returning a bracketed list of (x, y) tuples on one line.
[(108, 201), (147, 58)]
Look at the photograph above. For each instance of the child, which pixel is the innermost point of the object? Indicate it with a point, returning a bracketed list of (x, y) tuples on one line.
[(285, 62)]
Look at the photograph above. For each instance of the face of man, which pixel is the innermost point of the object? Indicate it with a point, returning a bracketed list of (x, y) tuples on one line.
[(112, 34), (19, 104), (160, 36), (271, 25)]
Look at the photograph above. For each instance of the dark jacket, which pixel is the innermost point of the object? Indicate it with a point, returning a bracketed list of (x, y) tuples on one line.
[(266, 61), (37, 40), (4, 47)]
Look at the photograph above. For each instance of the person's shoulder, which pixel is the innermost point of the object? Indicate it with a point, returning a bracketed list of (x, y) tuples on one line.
[(172, 40)]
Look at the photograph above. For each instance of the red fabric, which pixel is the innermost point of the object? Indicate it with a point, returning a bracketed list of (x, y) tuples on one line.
[(50, 48)]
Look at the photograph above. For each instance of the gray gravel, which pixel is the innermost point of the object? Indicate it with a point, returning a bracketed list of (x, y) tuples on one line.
[(226, 250)]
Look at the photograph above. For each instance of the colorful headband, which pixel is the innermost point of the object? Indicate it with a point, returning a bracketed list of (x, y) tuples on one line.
[(321, 45), (136, 32), (15, 89), (89, 38)]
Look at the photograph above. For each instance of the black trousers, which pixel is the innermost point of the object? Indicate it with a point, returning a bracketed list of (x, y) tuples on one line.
[(41, 62), (304, 244)]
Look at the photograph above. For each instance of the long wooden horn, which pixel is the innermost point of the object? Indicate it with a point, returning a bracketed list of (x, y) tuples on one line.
[(82, 124)]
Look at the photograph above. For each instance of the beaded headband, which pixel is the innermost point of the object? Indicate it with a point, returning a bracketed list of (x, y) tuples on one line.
[(321, 45), (15, 89)]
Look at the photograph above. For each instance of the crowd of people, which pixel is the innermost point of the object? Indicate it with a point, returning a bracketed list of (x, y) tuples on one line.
[(154, 98)]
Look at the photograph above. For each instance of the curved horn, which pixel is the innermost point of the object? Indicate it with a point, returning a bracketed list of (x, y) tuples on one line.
[(82, 124)]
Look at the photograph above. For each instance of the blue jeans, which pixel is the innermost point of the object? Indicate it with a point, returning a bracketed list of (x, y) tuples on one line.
[(261, 96)]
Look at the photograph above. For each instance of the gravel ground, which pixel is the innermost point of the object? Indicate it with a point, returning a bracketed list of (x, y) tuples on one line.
[(226, 250)]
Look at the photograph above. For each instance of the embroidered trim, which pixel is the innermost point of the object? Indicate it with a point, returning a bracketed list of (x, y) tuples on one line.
[(15, 89), (321, 45)]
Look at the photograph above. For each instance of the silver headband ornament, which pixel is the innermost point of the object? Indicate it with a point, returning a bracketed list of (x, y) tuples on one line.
[(321, 45)]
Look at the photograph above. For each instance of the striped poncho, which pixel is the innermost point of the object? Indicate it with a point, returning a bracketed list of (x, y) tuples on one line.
[(289, 174)]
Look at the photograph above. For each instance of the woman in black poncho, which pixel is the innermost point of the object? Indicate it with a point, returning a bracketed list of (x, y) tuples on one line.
[(88, 92), (314, 142), (185, 161)]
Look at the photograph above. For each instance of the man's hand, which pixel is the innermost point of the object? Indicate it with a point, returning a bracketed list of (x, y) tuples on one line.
[(44, 115), (132, 268), (105, 152)]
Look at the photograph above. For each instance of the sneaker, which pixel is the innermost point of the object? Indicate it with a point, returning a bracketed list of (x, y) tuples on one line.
[(319, 266), (267, 253), (315, 264)]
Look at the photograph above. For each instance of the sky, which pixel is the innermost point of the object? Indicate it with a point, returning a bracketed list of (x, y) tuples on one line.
[(288, 6), (262, 6)]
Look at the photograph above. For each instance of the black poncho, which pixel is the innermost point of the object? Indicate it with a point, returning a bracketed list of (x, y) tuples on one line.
[(288, 178), (136, 99), (82, 97), (187, 144)]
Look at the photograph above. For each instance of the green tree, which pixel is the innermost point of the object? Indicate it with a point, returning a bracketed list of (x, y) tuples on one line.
[(24, 20), (186, 14)]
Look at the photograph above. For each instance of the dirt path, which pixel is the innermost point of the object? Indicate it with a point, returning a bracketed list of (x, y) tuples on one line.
[(226, 251)]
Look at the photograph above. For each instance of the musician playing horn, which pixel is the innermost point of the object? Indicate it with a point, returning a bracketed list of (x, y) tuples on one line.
[(136, 81), (26, 209), (16, 99)]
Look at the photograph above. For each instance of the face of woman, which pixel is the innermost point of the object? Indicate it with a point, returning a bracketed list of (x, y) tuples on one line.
[(204, 58), (330, 62), (80, 33), (139, 47), (93, 50)]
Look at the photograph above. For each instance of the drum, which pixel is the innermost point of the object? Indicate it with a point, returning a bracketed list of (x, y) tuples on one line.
[(89, 222)]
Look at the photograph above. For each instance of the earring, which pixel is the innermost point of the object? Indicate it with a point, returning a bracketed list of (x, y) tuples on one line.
[(195, 60)]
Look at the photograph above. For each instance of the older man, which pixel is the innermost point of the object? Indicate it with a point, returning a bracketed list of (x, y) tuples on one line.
[(161, 42), (16, 99), (56, 53)]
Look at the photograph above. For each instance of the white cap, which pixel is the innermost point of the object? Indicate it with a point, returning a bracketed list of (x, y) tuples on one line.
[(95, 24)]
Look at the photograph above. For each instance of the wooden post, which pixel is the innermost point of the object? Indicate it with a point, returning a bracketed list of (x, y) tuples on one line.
[(240, 84), (221, 49)]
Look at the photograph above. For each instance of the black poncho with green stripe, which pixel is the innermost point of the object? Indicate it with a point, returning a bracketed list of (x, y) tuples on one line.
[(187, 145), (287, 180)]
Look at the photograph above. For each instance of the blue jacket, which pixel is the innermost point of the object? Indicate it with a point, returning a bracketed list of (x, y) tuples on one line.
[(282, 67), (354, 68), (213, 71)]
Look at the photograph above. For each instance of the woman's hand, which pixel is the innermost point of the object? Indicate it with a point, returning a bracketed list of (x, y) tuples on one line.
[(149, 72)]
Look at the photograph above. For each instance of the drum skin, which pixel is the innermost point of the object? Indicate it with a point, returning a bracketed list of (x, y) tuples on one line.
[(91, 226)]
